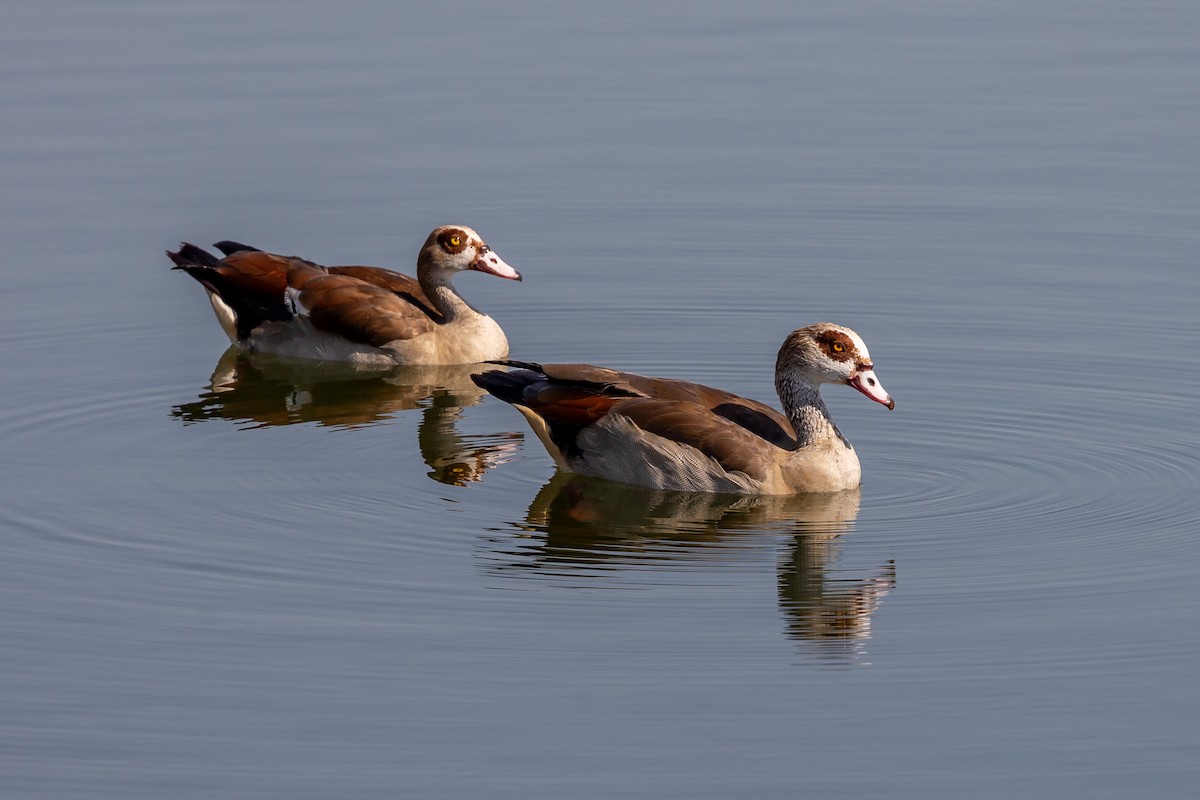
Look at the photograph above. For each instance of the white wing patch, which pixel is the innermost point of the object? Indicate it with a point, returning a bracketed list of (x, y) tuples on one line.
[(291, 296)]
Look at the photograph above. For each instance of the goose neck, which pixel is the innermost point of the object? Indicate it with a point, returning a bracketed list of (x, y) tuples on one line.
[(438, 286), (807, 411)]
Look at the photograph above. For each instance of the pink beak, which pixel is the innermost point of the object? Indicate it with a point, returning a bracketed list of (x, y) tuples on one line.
[(865, 381), (487, 261)]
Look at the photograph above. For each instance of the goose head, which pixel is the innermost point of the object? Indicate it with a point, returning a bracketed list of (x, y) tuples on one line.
[(455, 248), (827, 353)]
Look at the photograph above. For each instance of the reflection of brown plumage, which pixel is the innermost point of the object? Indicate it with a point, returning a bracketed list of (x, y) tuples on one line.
[(260, 391), (823, 608), (574, 504), (588, 526), (456, 458)]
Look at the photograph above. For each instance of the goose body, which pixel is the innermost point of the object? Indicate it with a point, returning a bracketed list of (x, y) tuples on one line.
[(365, 315), (671, 434)]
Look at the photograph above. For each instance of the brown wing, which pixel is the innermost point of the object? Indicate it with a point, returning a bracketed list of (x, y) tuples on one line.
[(574, 405), (733, 446), (252, 283), (394, 282), (361, 312), (255, 270), (383, 278), (758, 418), (257, 274)]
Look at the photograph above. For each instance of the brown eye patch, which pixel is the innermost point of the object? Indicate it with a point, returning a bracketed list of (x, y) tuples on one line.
[(452, 240), (837, 345)]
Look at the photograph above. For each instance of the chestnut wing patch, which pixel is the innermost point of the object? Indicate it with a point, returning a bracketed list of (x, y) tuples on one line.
[(257, 273), (573, 405)]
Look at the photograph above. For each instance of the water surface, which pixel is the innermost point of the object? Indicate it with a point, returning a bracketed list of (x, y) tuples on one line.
[(244, 577)]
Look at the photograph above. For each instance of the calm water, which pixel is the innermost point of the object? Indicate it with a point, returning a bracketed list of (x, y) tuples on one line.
[(233, 578)]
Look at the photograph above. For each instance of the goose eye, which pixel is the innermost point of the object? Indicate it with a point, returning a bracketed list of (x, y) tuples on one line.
[(838, 347), (455, 241)]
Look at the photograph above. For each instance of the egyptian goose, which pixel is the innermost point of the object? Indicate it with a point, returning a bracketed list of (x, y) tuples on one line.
[(670, 434), (366, 315)]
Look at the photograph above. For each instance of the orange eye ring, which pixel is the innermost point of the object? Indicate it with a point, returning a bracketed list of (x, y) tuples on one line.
[(455, 241), (838, 347)]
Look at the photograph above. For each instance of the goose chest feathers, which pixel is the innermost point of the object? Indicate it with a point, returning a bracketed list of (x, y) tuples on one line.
[(671, 434), (365, 315)]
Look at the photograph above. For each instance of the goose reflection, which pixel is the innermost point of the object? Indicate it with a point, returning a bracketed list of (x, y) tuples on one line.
[(818, 607), (261, 391), (586, 528)]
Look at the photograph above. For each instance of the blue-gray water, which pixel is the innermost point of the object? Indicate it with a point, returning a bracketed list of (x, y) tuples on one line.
[(231, 578)]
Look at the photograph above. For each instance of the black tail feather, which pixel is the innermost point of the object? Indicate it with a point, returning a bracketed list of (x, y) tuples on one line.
[(191, 256), (507, 386), (250, 309), (229, 247), (512, 362)]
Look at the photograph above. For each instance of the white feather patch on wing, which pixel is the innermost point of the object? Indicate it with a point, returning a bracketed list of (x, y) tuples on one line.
[(291, 296)]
